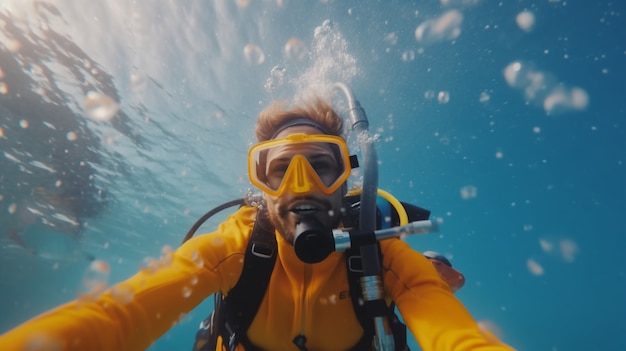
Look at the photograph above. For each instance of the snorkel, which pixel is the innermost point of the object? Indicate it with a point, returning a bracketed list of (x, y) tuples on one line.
[(312, 242), (371, 282)]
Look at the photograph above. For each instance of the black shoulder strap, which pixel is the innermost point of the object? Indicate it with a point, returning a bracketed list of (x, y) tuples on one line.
[(364, 312), (243, 300), (233, 314)]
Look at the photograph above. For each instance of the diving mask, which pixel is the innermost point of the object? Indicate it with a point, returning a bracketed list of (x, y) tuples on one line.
[(300, 163)]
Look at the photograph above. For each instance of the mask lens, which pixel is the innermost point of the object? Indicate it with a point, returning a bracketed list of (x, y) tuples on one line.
[(301, 160)]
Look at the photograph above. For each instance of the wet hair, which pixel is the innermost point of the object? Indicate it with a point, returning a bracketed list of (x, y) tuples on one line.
[(277, 115)]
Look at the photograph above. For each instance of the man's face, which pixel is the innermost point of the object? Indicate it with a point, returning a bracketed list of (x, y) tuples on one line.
[(287, 209)]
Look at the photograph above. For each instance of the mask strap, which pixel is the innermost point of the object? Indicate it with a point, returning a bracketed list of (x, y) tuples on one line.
[(300, 121)]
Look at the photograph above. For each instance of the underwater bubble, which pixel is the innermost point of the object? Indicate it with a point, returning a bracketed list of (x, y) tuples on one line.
[(166, 250), (71, 136), (525, 20), (332, 299), (95, 280), (459, 2), (429, 94), (43, 342), (536, 130), (218, 241), (469, 192), (499, 154), (149, 265), (24, 123), (511, 71), (197, 259), (242, 3), (276, 79), (254, 54), (568, 249), (408, 56), (295, 49), (391, 38), (534, 267), (4, 88), (100, 107), (444, 28), (137, 82), (13, 45), (194, 280), (563, 99), (443, 97), (166, 256), (122, 293), (187, 291), (484, 97), (543, 89), (490, 329), (545, 245), (330, 62), (387, 219)]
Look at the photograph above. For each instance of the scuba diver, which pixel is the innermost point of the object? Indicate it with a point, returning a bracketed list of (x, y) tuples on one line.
[(309, 233)]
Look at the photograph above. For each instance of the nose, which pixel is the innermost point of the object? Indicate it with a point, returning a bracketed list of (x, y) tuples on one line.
[(300, 176)]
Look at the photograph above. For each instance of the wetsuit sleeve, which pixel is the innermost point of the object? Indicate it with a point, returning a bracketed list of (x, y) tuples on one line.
[(435, 317), (136, 312)]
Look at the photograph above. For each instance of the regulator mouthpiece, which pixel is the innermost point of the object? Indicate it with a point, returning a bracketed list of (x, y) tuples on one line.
[(313, 242)]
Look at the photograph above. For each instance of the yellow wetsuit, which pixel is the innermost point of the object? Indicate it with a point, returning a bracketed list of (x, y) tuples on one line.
[(308, 299)]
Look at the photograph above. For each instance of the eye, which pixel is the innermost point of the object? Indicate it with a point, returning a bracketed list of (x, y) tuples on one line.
[(277, 169), (324, 166)]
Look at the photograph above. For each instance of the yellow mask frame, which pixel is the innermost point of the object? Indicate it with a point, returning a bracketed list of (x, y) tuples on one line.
[(299, 163)]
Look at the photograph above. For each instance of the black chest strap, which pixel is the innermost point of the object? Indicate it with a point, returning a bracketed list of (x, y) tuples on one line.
[(233, 314), (365, 311)]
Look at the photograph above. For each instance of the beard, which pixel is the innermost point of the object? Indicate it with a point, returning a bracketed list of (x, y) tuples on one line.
[(285, 228)]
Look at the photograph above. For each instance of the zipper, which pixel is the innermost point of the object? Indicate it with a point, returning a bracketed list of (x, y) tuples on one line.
[(300, 340)]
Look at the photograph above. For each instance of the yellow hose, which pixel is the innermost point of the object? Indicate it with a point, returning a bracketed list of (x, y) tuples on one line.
[(402, 215)]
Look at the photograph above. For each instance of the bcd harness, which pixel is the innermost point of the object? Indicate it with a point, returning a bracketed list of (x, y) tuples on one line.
[(233, 314)]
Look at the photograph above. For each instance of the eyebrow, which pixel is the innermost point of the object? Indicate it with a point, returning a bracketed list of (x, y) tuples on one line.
[(315, 156)]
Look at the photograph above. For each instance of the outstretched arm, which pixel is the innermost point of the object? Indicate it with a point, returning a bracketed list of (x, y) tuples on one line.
[(134, 313), (436, 318)]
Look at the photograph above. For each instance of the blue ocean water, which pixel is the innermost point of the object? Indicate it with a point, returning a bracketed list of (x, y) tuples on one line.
[(122, 122)]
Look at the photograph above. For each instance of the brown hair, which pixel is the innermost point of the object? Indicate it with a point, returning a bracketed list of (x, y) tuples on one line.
[(277, 114)]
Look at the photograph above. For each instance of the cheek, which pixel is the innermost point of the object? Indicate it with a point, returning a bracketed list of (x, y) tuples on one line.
[(269, 201), (272, 205)]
